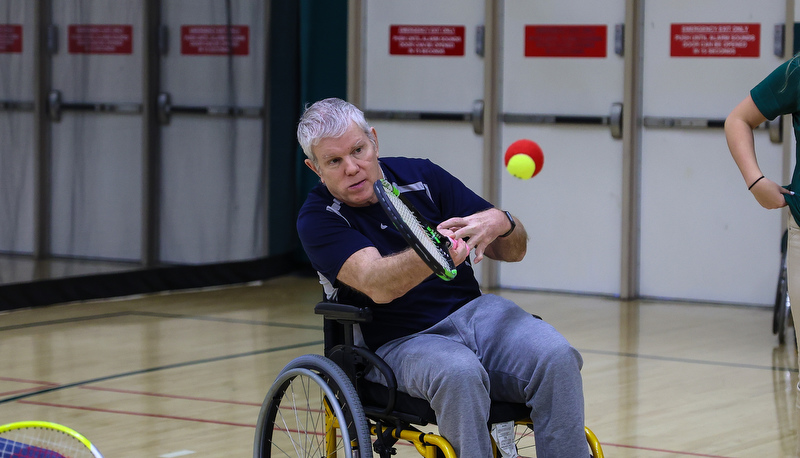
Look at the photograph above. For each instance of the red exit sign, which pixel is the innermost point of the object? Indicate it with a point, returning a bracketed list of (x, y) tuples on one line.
[(566, 40), (100, 39), (10, 38)]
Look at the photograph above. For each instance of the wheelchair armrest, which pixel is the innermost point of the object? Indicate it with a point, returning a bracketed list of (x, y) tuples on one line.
[(343, 312), (370, 360)]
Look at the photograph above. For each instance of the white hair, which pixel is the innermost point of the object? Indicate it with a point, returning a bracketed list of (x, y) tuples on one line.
[(328, 118)]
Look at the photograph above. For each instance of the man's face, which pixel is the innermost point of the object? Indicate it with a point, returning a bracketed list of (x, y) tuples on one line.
[(348, 166)]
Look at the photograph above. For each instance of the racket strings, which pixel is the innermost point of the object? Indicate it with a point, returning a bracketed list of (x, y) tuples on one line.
[(416, 226), (41, 443)]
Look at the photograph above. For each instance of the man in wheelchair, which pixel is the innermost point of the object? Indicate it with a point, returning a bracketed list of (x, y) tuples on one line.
[(447, 342)]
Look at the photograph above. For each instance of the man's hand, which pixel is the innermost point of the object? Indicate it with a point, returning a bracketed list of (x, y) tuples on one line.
[(459, 251), (480, 230)]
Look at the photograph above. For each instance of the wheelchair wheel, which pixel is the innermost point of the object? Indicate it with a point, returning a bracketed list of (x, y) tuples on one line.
[(526, 444), (312, 410), (780, 315)]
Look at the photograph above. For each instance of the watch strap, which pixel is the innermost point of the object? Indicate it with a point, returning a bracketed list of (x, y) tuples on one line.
[(513, 224)]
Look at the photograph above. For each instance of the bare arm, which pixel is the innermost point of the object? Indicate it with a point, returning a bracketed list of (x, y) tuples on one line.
[(385, 278), (739, 133)]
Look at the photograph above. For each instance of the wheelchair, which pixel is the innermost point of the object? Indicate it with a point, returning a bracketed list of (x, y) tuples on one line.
[(322, 406), (782, 309)]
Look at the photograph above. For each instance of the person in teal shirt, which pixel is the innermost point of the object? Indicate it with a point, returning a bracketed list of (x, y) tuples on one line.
[(777, 94)]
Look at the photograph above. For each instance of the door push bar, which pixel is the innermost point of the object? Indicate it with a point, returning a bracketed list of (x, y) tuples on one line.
[(475, 116), (166, 109), (774, 127), (613, 120), (56, 106), (15, 105)]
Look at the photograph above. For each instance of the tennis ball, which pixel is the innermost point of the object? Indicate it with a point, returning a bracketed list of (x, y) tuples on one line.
[(521, 166)]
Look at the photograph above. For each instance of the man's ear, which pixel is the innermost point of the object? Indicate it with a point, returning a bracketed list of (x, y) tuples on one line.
[(310, 165), (375, 136)]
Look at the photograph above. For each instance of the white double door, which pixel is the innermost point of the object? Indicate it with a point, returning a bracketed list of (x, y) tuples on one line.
[(558, 78)]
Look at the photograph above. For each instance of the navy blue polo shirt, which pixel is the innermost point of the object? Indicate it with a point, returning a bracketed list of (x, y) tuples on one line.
[(331, 232)]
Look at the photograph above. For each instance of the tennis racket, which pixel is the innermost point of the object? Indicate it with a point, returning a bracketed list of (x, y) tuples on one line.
[(429, 244), (42, 439)]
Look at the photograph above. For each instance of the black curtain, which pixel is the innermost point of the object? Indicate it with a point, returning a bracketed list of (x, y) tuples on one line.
[(309, 63)]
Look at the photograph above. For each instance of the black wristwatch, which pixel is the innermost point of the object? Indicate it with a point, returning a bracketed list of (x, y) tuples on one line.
[(513, 224)]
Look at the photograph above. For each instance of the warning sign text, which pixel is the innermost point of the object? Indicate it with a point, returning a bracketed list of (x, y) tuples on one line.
[(426, 40), (10, 38), (215, 40), (100, 39), (715, 40)]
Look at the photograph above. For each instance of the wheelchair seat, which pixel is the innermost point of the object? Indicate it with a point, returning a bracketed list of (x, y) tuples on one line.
[(418, 411)]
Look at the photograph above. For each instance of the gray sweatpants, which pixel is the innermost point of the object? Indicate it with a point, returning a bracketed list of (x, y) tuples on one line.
[(492, 349)]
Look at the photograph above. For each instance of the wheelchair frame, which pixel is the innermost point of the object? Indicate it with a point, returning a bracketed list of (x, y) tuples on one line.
[(332, 409)]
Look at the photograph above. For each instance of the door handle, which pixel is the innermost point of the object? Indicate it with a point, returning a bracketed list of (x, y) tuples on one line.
[(774, 127), (475, 116), (56, 106), (166, 109), (15, 105), (613, 120)]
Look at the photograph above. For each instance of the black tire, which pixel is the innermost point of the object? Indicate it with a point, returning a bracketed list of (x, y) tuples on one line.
[(780, 313), (292, 418)]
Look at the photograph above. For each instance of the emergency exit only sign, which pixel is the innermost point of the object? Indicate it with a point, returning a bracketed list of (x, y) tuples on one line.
[(100, 38), (426, 40), (715, 40)]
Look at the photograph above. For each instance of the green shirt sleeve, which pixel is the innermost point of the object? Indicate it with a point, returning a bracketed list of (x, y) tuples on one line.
[(779, 92)]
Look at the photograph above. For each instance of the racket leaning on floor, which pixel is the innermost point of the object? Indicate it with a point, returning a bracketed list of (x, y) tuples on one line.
[(42, 439), (428, 243)]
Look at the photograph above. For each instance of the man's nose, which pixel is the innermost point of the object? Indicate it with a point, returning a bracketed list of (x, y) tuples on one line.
[(351, 166)]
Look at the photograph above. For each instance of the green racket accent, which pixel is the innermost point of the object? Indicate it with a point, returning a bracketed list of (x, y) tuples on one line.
[(426, 241)]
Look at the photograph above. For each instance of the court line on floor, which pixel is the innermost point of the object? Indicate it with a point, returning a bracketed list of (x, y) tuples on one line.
[(227, 320), (170, 396), (23, 390), (159, 368), (689, 360), (302, 326), (661, 450), (103, 316), (76, 319), (138, 414), (248, 425)]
